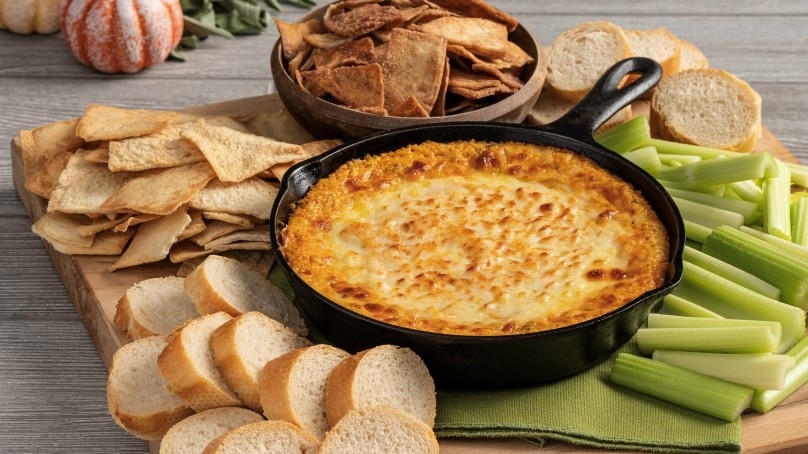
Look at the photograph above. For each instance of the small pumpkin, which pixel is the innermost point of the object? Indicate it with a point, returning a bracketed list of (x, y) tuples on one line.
[(121, 35), (30, 16)]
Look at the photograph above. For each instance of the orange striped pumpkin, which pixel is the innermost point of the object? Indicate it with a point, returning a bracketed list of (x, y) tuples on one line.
[(121, 35)]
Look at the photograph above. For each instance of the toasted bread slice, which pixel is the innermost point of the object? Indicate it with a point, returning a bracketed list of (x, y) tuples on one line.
[(137, 396), (382, 375), (244, 344), (379, 429), (706, 107), (276, 437), (292, 386), (154, 306), (194, 433)]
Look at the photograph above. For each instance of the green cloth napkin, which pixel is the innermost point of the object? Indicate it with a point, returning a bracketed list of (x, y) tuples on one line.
[(585, 409)]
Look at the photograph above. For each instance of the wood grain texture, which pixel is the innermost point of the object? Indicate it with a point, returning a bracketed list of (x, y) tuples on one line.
[(52, 380)]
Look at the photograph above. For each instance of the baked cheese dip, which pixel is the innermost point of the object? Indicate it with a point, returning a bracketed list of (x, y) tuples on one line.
[(477, 238)]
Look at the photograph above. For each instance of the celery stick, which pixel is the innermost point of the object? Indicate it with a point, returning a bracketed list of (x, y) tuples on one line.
[(676, 305), (747, 190), (765, 400), (755, 370), (798, 252), (763, 259), (711, 172), (730, 339), (730, 300), (698, 392), (670, 147), (799, 220), (799, 174), (627, 136), (677, 159), (675, 321), (706, 215), (776, 212), (646, 158), (733, 273), (747, 209), (696, 232)]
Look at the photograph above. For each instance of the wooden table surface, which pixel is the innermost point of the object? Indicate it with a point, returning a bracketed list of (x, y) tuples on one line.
[(52, 382)]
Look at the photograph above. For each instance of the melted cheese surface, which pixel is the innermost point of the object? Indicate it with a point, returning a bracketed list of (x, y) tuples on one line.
[(477, 238)]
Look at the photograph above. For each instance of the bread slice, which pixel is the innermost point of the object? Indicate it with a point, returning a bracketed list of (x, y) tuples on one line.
[(188, 367), (691, 56), (269, 437), (379, 429), (223, 284), (137, 396), (244, 344), (706, 107), (154, 306), (194, 433), (292, 386), (550, 107), (581, 54), (382, 375), (658, 44)]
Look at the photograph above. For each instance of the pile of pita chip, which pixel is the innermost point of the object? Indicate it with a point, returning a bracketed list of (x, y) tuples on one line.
[(407, 58), (148, 186)]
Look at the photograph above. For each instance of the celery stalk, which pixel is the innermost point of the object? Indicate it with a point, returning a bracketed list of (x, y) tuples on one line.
[(711, 172), (676, 305), (730, 300), (696, 232), (675, 321), (799, 173), (733, 273), (799, 220), (747, 209), (677, 159), (698, 392), (646, 158), (798, 252), (763, 259), (747, 190), (706, 215), (729, 339), (776, 212), (755, 370), (670, 147), (765, 400), (627, 136)]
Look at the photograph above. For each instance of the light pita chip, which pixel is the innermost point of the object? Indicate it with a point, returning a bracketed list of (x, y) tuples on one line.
[(413, 66), (165, 148), (45, 180), (230, 218), (259, 233), (186, 250), (160, 191), (104, 243), (84, 186), (153, 240), (236, 156), (310, 149), (63, 228), (279, 125), (354, 86), (253, 197), (102, 122), (215, 229), (243, 246), (39, 145), (133, 220), (195, 227)]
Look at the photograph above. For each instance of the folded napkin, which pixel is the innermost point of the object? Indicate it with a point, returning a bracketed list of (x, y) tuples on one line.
[(585, 409)]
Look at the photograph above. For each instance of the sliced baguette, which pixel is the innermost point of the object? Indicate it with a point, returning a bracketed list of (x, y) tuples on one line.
[(154, 306), (581, 54), (189, 369), (269, 437), (706, 107), (194, 433), (658, 44), (292, 386), (223, 284), (550, 107), (382, 375), (379, 429), (691, 56), (244, 344), (137, 396)]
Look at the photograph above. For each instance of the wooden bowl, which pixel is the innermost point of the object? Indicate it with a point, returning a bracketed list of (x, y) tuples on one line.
[(327, 120)]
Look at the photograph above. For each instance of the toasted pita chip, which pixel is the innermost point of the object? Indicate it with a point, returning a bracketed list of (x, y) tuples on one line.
[(195, 227), (104, 243), (409, 108), (353, 86), (236, 156), (166, 148), (478, 8), (311, 149), (63, 228), (84, 186), (258, 233), (325, 40), (482, 92), (279, 125), (133, 220), (160, 191), (252, 196), (45, 180), (360, 20), (505, 77), (301, 62), (153, 240), (439, 109), (358, 52), (39, 145), (292, 35), (413, 66), (101, 122), (99, 155), (474, 85), (480, 36), (238, 219)]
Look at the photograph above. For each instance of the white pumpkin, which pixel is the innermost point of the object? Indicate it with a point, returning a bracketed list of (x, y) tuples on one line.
[(30, 16), (121, 35)]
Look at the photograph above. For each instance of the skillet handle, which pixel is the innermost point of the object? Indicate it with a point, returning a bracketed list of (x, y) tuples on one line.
[(607, 97)]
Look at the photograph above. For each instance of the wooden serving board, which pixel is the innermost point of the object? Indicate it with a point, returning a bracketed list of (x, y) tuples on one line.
[(95, 292)]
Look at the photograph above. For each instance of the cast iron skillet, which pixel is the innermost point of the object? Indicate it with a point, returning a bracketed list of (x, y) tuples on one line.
[(497, 361)]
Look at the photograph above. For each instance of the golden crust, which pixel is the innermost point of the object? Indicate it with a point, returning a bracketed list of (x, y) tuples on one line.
[(477, 238)]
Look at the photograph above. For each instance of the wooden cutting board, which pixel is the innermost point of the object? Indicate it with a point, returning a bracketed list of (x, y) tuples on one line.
[(95, 292)]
